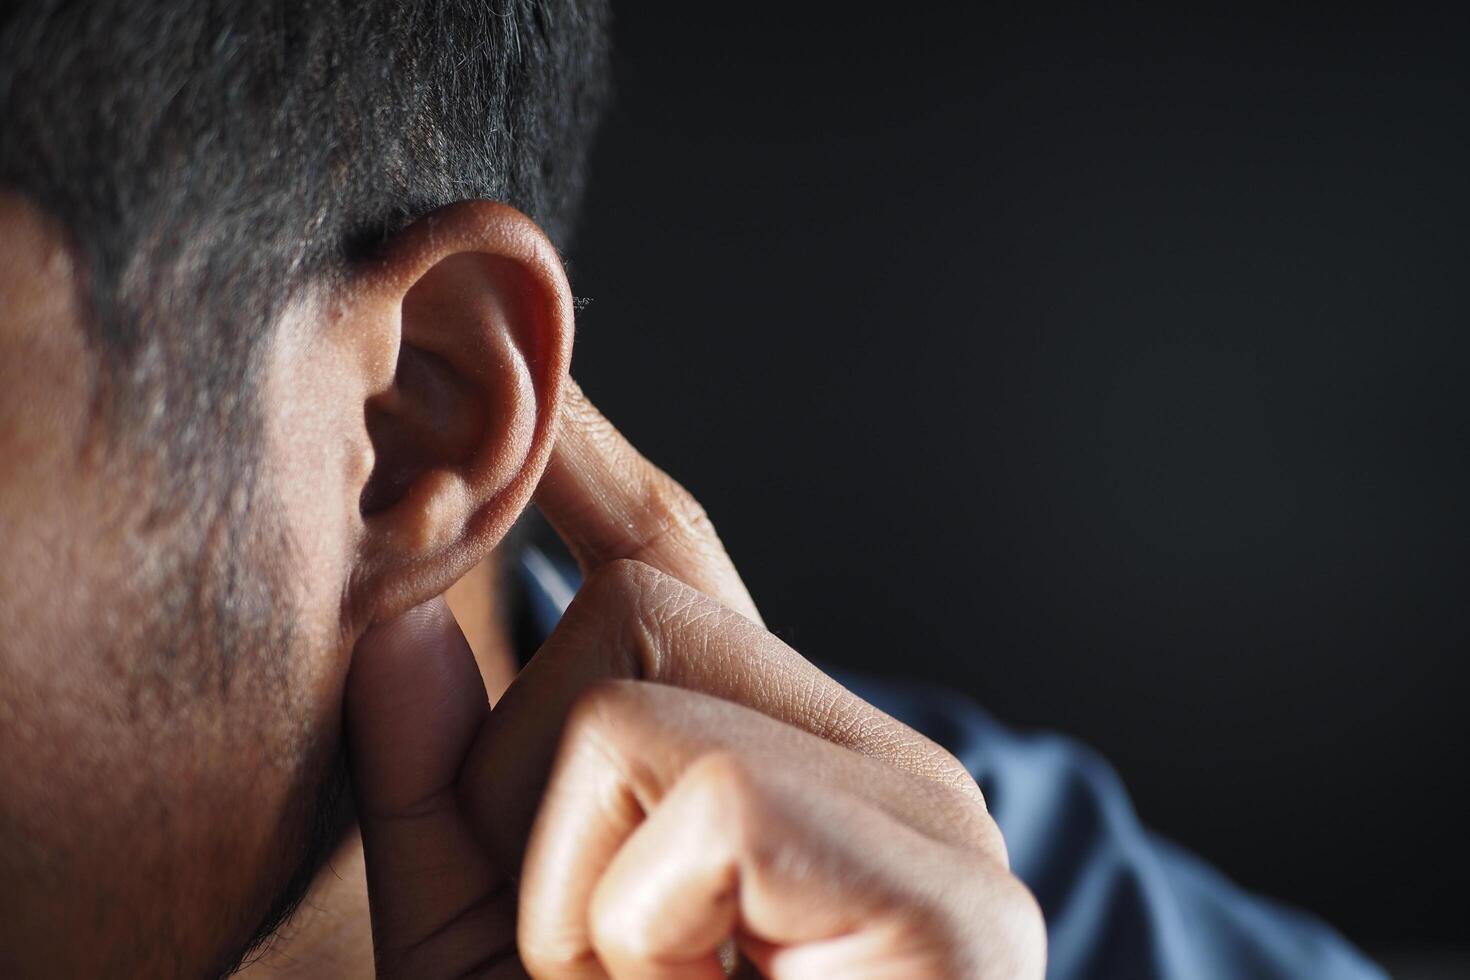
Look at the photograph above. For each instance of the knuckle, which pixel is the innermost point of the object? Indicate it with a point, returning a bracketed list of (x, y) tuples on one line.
[(938, 765), (623, 934), (985, 834), (615, 931), (723, 774), (668, 497), (876, 734), (623, 603), (946, 768), (674, 512), (547, 957), (620, 579), (1023, 929), (952, 767), (603, 753), (729, 788), (601, 708), (991, 927), (968, 824), (988, 839), (612, 606), (744, 812)]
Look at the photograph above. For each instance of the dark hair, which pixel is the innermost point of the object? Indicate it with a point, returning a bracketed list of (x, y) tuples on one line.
[(213, 160), (210, 159)]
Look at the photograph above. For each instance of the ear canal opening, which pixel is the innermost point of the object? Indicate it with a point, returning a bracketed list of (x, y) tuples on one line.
[(431, 418), (388, 482)]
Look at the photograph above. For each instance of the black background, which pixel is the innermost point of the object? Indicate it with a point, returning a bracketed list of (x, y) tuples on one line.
[(1106, 366)]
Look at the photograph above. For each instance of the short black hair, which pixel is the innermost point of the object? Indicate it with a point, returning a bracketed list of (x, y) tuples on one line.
[(211, 162), (211, 159)]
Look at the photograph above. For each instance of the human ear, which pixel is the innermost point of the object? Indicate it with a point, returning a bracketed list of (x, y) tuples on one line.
[(462, 334)]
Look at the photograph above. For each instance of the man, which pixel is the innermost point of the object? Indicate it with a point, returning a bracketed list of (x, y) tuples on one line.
[(277, 371)]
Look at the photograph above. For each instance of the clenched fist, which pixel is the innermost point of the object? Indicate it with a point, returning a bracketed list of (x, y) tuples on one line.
[(665, 777)]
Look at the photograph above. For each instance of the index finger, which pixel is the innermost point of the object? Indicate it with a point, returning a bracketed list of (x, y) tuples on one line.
[(633, 622), (608, 502)]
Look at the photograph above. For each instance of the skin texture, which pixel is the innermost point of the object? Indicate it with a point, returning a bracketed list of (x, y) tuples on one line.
[(147, 826), (664, 777), (331, 933)]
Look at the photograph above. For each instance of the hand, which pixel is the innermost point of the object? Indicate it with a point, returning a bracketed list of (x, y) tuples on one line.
[(663, 776)]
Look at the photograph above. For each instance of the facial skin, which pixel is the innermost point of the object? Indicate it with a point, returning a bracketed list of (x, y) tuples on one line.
[(158, 816), (663, 779)]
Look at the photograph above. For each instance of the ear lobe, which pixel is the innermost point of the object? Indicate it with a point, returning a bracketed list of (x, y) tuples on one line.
[(462, 433)]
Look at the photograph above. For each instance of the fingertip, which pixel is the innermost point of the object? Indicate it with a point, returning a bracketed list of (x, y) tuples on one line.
[(396, 649), (413, 702)]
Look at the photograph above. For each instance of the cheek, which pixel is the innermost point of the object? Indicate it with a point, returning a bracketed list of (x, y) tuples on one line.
[(318, 458), (181, 817), (266, 795)]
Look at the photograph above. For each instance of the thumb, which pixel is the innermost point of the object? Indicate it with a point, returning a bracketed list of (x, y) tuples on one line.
[(414, 705)]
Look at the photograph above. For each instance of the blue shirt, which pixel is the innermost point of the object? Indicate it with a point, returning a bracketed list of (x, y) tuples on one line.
[(1119, 901)]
